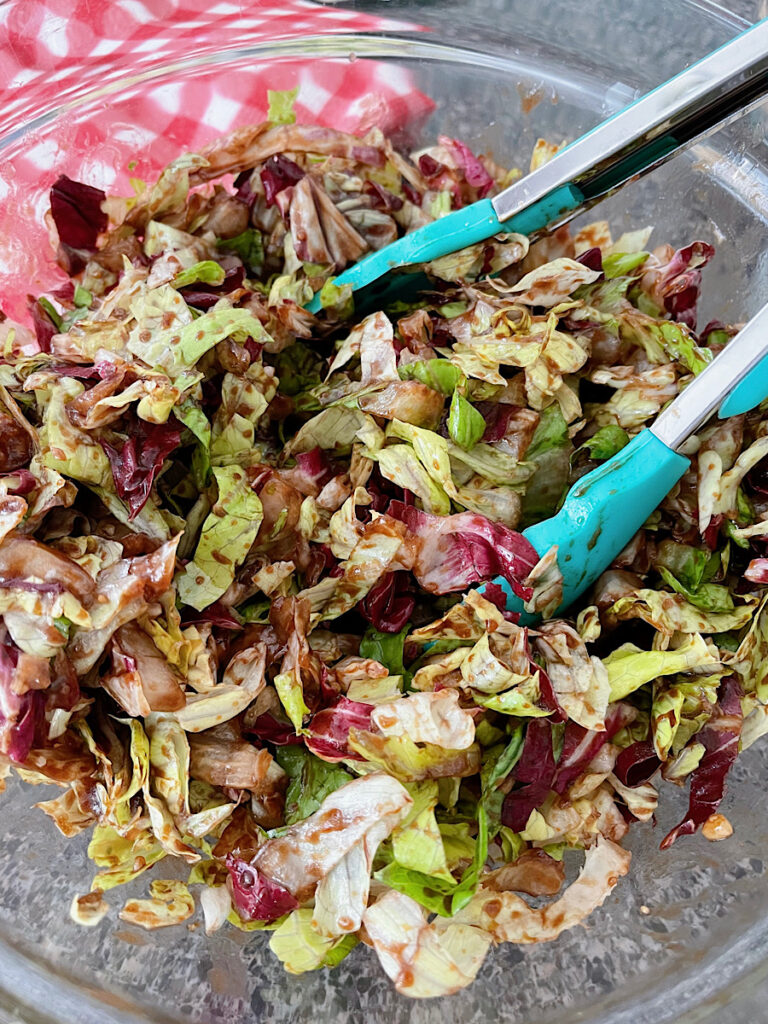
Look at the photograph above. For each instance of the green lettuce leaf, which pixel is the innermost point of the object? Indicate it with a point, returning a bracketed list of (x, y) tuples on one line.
[(629, 668), (175, 349), (417, 842), (399, 463), (298, 368), (407, 761), (299, 948), (605, 442), (672, 613), (386, 648), (618, 264), (281, 103), (67, 449), (435, 893), (226, 538), (244, 400), (206, 272), (465, 424), (680, 345), (666, 712), (311, 780), (248, 246), (438, 374), (337, 299), (708, 596), (291, 694), (498, 762), (690, 566)]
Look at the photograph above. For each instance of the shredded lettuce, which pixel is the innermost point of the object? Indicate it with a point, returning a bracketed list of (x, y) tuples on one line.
[(258, 531), (225, 539)]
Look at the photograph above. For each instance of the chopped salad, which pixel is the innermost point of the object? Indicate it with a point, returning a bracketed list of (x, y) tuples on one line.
[(241, 544)]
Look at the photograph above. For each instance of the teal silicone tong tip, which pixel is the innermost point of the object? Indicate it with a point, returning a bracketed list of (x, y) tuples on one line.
[(748, 393), (592, 526), (475, 223)]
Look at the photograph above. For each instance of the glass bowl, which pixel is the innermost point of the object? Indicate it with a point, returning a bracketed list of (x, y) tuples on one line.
[(686, 934)]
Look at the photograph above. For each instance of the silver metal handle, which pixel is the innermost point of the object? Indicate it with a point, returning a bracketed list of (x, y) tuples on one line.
[(694, 405), (717, 89)]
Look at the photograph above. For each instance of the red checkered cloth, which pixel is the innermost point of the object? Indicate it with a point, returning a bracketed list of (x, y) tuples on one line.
[(134, 113)]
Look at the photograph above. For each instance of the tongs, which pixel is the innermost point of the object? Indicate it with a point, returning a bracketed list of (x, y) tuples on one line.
[(718, 89), (605, 508)]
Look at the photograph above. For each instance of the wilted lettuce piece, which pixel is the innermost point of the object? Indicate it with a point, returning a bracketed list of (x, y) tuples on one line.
[(68, 816), (467, 621), (671, 613), (434, 718), (552, 282), (689, 565), (376, 691), (342, 896), (551, 432), (89, 910), (398, 463), (523, 701), (408, 761), (546, 583), (152, 521), (298, 368), (334, 428), (123, 858), (365, 810), (629, 668), (33, 619), (169, 193), (508, 918), (687, 761), (280, 110), (337, 299), (67, 449), (300, 948), (170, 903), (665, 717), (422, 961), (680, 345), (580, 682), (417, 843), (226, 538), (373, 554), (469, 262), (175, 349), (244, 399), (549, 456), (663, 340), (242, 682), (494, 664)]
